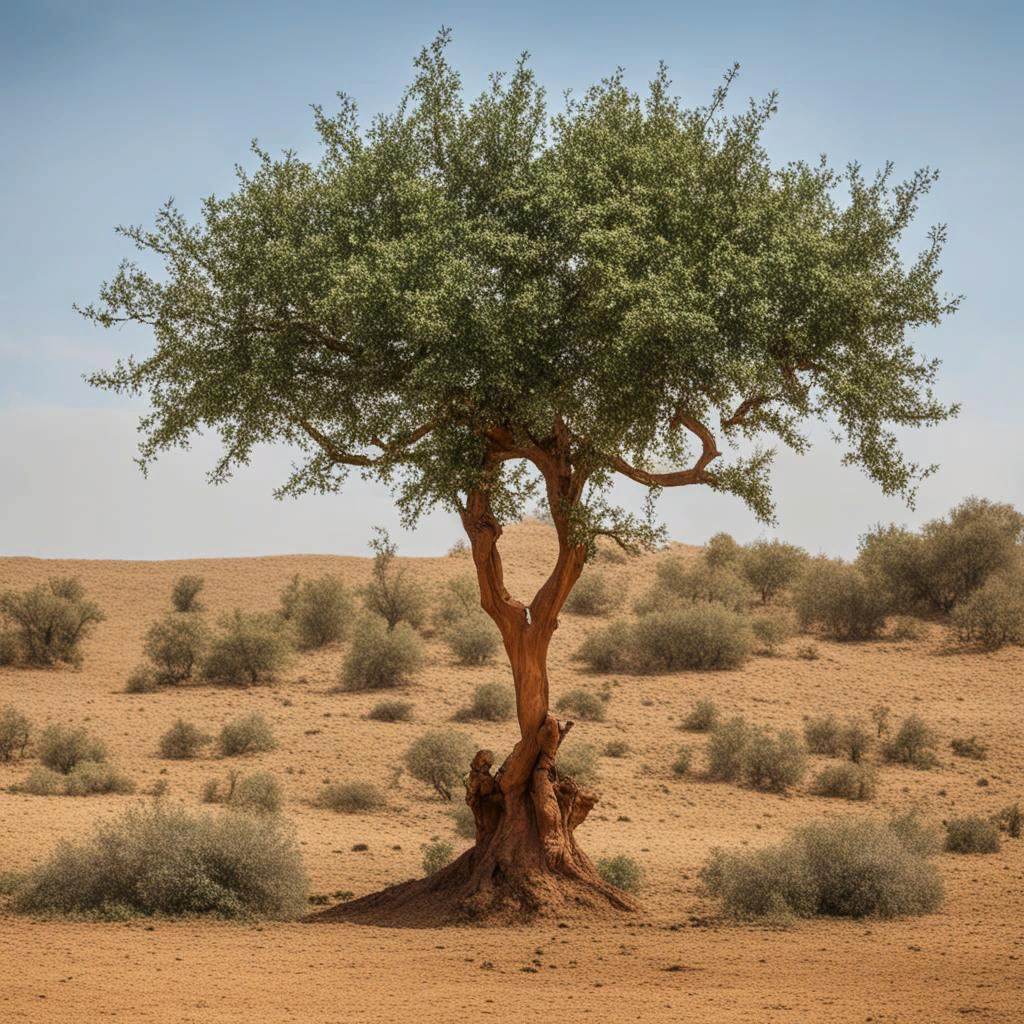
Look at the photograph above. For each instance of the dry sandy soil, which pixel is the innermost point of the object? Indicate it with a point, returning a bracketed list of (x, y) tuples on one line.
[(676, 960)]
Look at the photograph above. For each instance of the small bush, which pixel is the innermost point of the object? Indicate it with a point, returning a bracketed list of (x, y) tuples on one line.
[(972, 835), (248, 735), (436, 855), (915, 834), (700, 637), (993, 615), (774, 763), (822, 735), (593, 595), (695, 582), (176, 644), (259, 792), (914, 744), (583, 704), (441, 759), (249, 650), (185, 594), (905, 627), (183, 741), (839, 598), (465, 822), (702, 718), (880, 718), (769, 566), (143, 679), (1009, 820), (772, 629), (381, 658), (42, 781), (89, 777), (15, 732), (856, 739), (609, 649), (473, 639), (391, 711), (49, 622), (459, 549), (319, 610), (969, 748), (10, 647), (160, 859), (61, 748), (727, 750), (846, 782), (492, 702), (351, 797), (577, 761), (684, 758), (721, 551), (808, 652), (616, 748), (622, 871), (392, 594), (459, 597)]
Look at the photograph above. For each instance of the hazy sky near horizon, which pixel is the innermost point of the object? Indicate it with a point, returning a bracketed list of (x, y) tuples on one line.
[(111, 107)]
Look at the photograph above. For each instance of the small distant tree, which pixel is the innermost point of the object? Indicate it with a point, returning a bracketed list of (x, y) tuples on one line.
[(176, 645), (722, 551), (185, 593), (840, 599), (249, 649), (50, 621), (320, 610), (769, 566), (392, 594)]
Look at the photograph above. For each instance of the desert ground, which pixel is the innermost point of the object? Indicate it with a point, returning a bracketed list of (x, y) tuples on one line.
[(677, 959)]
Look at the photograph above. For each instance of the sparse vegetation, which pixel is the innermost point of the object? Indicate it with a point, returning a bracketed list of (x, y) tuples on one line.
[(914, 744), (250, 734), (175, 645), (441, 759), (577, 761), (692, 582), (259, 792), (318, 610), (584, 704), (772, 628), (249, 650), (593, 595), (185, 594), (972, 835), (391, 711), (970, 748), (621, 871), (62, 748), (183, 741), (474, 638), (703, 717), (89, 777), (492, 702), (822, 735), (721, 551), (142, 679), (616, 748), (727, 750), (380, 658), (846, 781), (465, 823), (681, 765), (1010, 820), (840, 599), (436, 855), (993, 615), (459, 597), (351, 797), (769, 566), (774, 762), (48, 623), (392, 594), (15, 733)]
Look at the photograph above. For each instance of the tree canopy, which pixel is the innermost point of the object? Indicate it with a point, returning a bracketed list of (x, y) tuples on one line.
[(460, 290)]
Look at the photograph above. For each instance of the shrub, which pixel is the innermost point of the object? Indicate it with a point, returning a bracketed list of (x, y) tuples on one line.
[(880, 717), (969, 748), (822, 735), (1009, 820), (808, 652), (616, 748), (161, 859), (727, 750), (441, 759), (10, 647), (702, 718), (856, 739), (351, 797), (840, 599), (492, 702), (915, 835), (185, 593), (699, 637), (436, 855), (583, 704), (88, 777), (609, 649), (459, 549), (319, 610), (248, 735), (769, 566), (183, 741), (380, 658), (622, 871), (465, 822), (972, 835), (846, 781), (249, 650), (142, 679), (459, 598), (50, 621), (15, 731), (905, 627), (838, 868), (774, 763), (42, 781), (914, 744), (61, 748), (259, 792), (391, 711), (577, 761), (721, 551), (474, 638), (772, 629), (176, 644), (676, 581), (993, 615), (392, 595), (593, 595), (684, 758)]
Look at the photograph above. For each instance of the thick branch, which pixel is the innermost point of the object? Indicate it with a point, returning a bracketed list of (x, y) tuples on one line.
[(350, 459)]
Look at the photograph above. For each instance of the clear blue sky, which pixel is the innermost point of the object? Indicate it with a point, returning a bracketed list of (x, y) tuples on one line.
[(108, 108)]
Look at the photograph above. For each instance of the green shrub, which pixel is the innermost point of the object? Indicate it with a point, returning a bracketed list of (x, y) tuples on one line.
[(176, 644), (727, 750), (609, 649), (49, 622), (259, 792), (721, 551), (88, 777), (161, 859), (846, 781), (855, 739), (10, 647), (840, 599), (701, 637), (15, 732), (250, 734), (319, 610), (914, 744), (380, 658), (774, 763), (492, 702), (622, 871), (465, 822), (905, 627), (473, 639), (584, 704), (185, 594), (183, 741), (822, 735), (1010, 820), (249, 650), (969, 748), (577, 761), (42, 781), (616, 748), (391, 711), (693, 582), (351, 797), (772, 629), (61, 748), (441, 759), (972, 835), (916, 835), (593, 594), (702, 718), (142, 679), (684, 758), (993, 615), (769, 566), (459, 598), (838, 868), (392, 594), (436, 855)]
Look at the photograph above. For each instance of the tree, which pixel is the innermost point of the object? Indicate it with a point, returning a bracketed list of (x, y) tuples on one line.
[(771, 565), (478, 303)]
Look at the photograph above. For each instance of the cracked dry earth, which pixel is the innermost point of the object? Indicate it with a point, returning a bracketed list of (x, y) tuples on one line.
[(676, 960)]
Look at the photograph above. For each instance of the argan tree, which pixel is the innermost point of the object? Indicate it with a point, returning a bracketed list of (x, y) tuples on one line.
[(475, 302)]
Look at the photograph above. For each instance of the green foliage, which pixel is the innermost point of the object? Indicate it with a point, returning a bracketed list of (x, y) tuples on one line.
[(856, 739), (769, 566), (391, 711), (838, 868), (722, 551), (727, 750), (183, 741), (380, 658), (577, 761), (609, 648), (436, 855), (319, 610), (594, 595), (161, 859), (48, 622), (259, 792), (474, 639), (993, 615), (822, 735), (459, 598), (465, 822), (392, 594), (441, 759), (185, 593), (15, 733), (621, 871), (250, 734), (142, 679), (970, 748), (913, 744), (89, 777), (42, 781), (10, 647), (492, 702), (678, 580), (684, 758), (772, 629), (774, 763), (703, 717), (847, 781), (616, 748), (840, 599), (584, 704), (62, 748), (249, 650), (176, 644), (351, 797), (972, 835)]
